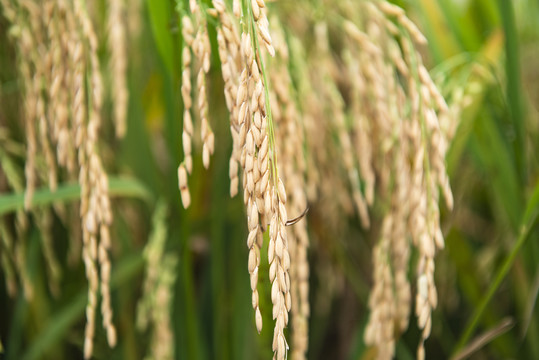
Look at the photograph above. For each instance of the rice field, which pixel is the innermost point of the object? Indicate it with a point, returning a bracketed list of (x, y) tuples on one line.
[(256, 179)]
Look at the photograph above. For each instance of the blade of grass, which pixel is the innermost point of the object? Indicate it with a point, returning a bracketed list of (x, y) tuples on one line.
[(487, 9), (528, 220), (490, 54), (442, 43), (461, 25), (495, 157), (514, 93), (118, 187), (190, 341), (136, 148), (160, 13)]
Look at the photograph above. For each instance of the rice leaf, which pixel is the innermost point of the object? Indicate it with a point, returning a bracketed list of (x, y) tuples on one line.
[(119, 187)]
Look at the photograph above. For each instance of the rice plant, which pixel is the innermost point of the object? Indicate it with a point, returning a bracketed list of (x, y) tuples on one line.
[(235, 179)]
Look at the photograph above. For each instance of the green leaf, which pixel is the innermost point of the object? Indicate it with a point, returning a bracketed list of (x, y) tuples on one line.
[(514, 87), (496, 159), (160, 18), (121, 187)]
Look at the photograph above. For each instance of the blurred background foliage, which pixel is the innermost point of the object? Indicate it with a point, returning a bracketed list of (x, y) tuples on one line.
[(482, 53)]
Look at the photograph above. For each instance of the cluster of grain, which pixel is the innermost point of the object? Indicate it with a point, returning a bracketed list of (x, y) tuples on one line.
[(63, 98), (338, 113)]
